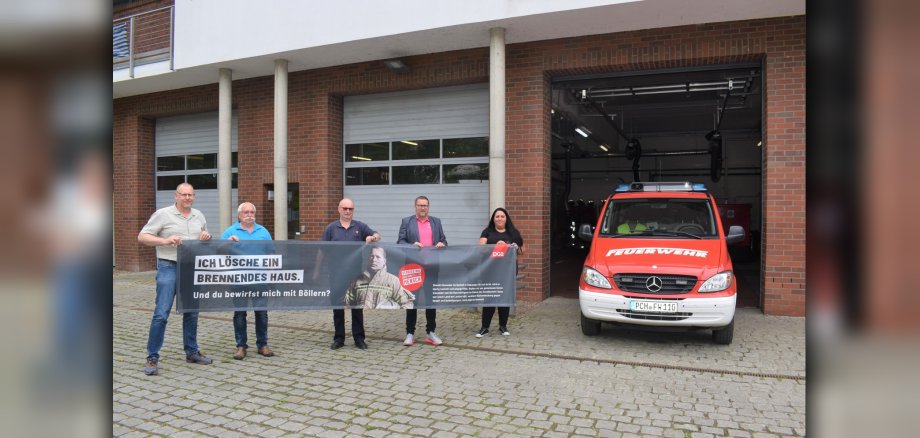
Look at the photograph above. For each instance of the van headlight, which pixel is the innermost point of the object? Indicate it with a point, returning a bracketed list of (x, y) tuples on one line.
[(718, 282), (595, 278)]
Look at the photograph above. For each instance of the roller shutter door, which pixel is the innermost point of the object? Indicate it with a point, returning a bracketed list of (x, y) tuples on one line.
[(186, 150), (431, 142)]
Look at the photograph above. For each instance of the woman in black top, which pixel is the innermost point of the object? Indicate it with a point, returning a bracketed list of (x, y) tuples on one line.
[(500, 230)]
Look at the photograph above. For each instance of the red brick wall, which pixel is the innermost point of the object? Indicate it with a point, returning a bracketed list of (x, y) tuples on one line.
[(253, 100), (137, 7), (783, 252), (133, 123), (315, 132)]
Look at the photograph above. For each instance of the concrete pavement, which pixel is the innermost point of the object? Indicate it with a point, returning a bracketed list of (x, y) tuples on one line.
[(546, 379)]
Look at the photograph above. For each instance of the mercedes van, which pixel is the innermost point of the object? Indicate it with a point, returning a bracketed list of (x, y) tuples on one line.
[(658, 257)]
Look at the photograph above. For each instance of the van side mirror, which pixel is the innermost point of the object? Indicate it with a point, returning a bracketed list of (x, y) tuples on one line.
[(735, 234), (585, 233)]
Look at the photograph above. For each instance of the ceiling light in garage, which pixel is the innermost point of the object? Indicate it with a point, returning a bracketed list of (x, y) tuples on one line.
[(583, 131), (603, 147)]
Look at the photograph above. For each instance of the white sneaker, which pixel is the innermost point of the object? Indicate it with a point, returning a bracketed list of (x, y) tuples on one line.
[(410, 339), (504, 331), (433, 339), (482, 332)]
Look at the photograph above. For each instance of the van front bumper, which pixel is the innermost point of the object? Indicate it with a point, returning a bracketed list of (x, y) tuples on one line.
[(691, 311)]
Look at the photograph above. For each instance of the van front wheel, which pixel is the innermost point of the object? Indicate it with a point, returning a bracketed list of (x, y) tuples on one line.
[(724, 335), (589, 327)]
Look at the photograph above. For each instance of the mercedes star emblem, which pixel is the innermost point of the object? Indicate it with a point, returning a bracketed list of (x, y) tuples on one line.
[(653, 284)]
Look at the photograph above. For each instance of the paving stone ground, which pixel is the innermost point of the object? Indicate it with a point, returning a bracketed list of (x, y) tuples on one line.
[(546, 379)]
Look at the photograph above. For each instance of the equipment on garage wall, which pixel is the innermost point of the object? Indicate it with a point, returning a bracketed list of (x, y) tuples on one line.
[(594, 100), (715, 139)]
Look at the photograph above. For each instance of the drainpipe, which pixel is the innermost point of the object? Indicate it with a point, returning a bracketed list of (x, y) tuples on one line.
[(224, 162), (496, 118), (281, 171)]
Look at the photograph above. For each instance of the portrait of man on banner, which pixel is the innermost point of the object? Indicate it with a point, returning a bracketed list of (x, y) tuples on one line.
[(375, 288)]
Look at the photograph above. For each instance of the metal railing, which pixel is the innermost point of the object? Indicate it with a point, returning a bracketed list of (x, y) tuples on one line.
[(143, 38)]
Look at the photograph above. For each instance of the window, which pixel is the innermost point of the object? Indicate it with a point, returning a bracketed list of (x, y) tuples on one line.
[(459, 173), (466, 147), (417, 161), (367, 152), (166, 164), (416, 174), (416, 149), (205, 181), (367, 176), (664, 215), (169, 182), (201, 161), (199, 170)]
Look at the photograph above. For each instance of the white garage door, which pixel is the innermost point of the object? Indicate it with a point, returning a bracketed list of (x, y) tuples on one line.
[(186, 151), (431, 142)]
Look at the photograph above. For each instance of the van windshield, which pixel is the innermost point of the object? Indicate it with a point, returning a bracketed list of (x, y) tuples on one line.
[(679, 218)]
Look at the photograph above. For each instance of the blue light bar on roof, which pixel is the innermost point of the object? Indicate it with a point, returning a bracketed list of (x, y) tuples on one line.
[(661, 187)]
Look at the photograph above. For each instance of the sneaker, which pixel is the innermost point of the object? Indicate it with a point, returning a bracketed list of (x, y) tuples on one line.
[(410, 339), (152, 369), (433, 339), (482, 332), (198, 357), (504, 331)]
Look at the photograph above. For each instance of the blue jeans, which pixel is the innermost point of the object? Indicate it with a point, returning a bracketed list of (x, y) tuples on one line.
[(166, 295), (239, 328)]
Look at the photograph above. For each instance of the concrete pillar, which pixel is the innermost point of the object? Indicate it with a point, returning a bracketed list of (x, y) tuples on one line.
[(225, 205), (281, 170), (496, 118)]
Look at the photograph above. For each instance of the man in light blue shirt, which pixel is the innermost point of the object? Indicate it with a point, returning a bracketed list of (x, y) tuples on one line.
[(248, 229)]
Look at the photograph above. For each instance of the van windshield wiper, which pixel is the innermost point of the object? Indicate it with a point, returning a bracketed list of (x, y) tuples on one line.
[(660, 233)]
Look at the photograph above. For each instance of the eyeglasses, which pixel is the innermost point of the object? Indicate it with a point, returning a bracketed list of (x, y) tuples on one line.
[(422, 205), (248, 212), (347, 208)]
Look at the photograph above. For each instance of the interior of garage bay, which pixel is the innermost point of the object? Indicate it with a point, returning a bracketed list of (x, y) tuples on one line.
[(701, 124)]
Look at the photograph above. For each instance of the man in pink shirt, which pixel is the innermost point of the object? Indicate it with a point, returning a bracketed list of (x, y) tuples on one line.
[(422, 230)]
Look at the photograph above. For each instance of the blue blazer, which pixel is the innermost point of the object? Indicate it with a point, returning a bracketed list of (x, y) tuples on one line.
[(408, 231)]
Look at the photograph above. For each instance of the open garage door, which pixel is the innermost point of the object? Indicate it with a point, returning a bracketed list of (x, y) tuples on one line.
[(700, 125)]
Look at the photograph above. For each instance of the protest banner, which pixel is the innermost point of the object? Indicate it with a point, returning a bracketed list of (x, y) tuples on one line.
[(223, 275)]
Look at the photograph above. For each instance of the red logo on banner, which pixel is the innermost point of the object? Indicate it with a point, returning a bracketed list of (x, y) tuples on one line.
[(412, 276), (500, 250)]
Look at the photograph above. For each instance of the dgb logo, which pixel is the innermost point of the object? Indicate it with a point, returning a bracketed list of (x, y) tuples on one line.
[(500, 250)]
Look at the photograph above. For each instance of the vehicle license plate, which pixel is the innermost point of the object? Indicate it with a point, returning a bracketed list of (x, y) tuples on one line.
[(653, 306)]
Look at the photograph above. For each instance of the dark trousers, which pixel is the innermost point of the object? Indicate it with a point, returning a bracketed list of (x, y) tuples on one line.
[(431, 320), (357, 324), (239, 328), (487, 313)]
